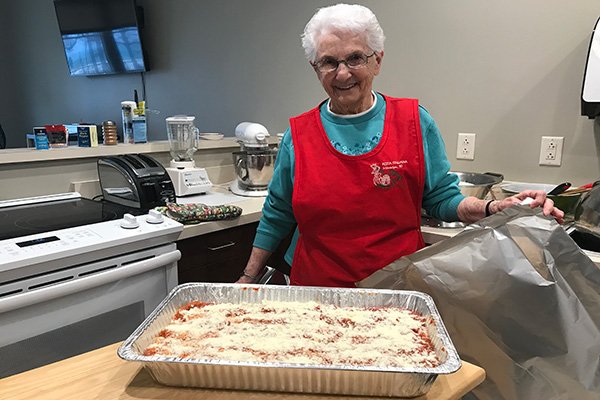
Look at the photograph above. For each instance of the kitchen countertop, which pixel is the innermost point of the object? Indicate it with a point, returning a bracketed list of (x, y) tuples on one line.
[(433, 235), (252, 211), (219, 194), (24, 155), (101, 374)]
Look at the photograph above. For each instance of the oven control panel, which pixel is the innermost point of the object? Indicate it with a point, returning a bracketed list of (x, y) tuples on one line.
[(47, 246)]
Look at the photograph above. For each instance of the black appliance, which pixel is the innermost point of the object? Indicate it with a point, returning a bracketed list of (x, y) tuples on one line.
[(2, 138), (135, 180), (101, 37), (590, 92)]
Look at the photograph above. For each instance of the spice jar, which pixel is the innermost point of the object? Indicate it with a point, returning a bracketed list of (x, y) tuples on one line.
[(109, 132)]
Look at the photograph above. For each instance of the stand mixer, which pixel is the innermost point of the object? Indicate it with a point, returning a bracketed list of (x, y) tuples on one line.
[(187, 178), (254, 163)]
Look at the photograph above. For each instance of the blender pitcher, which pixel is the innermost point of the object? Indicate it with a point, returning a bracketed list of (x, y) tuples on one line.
[(182, 136)]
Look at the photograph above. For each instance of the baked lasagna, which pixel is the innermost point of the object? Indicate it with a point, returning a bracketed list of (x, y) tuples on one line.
[(307, 333)]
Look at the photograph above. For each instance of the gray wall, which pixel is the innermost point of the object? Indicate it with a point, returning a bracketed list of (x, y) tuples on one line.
[(6, 72), (509, 71)]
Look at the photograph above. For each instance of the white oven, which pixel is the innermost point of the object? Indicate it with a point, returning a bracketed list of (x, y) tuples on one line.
[(67, 291)]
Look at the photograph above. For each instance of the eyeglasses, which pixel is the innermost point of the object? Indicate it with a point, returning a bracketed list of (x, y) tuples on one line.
[(353, 61)]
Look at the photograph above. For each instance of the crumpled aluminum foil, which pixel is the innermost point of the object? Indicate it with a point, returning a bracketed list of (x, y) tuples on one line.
[(519, 298)]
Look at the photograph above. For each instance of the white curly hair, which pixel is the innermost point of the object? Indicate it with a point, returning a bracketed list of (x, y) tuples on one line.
[(345, 17)]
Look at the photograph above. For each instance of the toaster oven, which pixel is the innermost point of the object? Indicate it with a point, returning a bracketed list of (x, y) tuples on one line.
[(135, 180)]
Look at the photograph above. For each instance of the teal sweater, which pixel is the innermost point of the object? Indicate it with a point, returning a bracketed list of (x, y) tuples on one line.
[(355, 135)]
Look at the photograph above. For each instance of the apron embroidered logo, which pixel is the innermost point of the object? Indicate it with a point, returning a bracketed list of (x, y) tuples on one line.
[(386, 177)]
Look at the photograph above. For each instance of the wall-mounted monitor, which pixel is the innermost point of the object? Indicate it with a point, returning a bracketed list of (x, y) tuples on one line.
[(101, 37)]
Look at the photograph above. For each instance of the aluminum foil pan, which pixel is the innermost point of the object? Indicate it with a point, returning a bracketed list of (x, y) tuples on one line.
[(352, 380)]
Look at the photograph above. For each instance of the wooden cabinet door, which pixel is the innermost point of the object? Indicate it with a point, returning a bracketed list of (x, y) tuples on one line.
[(216, 257), (222, 256)]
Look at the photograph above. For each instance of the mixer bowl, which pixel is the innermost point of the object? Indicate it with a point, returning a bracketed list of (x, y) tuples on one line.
[(470, 184), (478, 185), (254, 169)]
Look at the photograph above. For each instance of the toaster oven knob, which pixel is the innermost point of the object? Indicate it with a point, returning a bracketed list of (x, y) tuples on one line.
[(154, 217), (129, 222)]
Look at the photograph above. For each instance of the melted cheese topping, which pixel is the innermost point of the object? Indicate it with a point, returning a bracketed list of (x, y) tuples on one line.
[(298, 333)]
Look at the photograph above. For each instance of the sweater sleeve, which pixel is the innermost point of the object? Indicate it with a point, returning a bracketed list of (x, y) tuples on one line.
[(277, 215), (441, 195)]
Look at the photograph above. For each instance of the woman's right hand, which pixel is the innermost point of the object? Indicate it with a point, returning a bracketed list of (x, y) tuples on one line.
[(256, 264), (245, 279)]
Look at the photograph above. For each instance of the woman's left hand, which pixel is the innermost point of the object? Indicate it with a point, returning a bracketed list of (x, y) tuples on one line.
[(538, 199)]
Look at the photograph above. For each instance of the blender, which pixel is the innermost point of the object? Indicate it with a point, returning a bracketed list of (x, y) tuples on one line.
[(187, 178), (254, 163)]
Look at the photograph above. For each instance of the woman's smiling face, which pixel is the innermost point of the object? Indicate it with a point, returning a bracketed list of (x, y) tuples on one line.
[(348, 88)]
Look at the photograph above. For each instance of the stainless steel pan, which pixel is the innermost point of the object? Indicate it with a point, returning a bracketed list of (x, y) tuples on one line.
[(471, 184), (478, 184)]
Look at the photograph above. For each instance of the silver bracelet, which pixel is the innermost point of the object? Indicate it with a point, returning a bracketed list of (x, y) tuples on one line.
[(247, 275)]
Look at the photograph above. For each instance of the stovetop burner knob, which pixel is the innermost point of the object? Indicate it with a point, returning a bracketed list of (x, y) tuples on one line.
[(129, 222), (155, 217)]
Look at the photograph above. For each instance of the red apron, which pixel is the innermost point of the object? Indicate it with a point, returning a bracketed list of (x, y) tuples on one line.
[(356, 214)]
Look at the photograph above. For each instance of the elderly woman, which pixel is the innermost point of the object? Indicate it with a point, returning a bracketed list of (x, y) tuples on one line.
[(354, 172)]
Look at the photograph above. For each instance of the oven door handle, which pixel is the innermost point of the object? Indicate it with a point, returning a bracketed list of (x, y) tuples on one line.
[(64, 289)]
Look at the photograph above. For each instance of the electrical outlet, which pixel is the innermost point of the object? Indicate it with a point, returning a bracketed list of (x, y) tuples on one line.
[(551, 150), (465, 147)]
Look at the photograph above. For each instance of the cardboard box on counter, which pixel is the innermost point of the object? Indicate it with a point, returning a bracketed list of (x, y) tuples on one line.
[(87, 136)]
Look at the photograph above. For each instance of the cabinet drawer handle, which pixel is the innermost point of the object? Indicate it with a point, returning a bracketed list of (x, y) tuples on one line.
[(223, 246)]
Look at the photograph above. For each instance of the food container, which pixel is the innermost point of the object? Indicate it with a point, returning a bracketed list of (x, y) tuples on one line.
[(127, 108), (273, 376), (470, 184), (588, 210), (109, 133), (57, 135), (210, 136), (477, 184)]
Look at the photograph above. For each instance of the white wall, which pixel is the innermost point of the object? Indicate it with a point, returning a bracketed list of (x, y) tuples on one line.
[(510, 71)]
